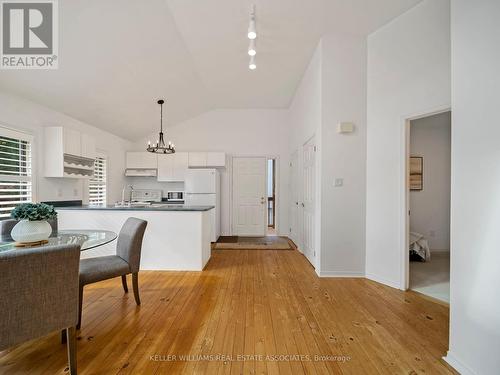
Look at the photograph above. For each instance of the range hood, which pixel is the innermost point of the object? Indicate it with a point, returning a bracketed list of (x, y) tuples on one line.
[(145, 172)]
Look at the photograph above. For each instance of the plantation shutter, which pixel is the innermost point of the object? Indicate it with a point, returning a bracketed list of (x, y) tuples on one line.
[(97, 184), (15, 170)]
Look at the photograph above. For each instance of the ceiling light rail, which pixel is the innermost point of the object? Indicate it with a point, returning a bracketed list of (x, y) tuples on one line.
[(252, 35)]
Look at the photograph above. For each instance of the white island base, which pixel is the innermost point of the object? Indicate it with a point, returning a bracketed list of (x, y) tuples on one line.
[(174, 240)]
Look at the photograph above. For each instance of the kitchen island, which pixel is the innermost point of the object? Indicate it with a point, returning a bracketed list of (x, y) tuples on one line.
[(177, 237)]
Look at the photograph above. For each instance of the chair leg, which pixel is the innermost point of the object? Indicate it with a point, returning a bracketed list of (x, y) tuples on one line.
[(71, 335), (80, 305), (135, 285), (124, 283), (64, 337)]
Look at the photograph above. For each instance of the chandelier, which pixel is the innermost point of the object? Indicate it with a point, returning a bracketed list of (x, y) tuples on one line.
[(160, 147)]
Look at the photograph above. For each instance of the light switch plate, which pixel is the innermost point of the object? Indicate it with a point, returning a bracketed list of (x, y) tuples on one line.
[(339, 182), (345, 127)]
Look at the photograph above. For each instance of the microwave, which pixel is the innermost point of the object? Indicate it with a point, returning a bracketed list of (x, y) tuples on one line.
[(175, 196)]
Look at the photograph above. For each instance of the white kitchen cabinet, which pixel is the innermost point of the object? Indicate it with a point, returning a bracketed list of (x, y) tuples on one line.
[(216, 159), (72, 142), (197, 159), (207, 160), (88, 147), (68, 153), (172, 167), (165, 167), (181, 160), (141, 160)]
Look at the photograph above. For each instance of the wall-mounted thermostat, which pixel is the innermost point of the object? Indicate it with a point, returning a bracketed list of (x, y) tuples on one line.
[(345, 127)]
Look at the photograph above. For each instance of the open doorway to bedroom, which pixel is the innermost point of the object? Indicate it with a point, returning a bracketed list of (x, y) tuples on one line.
[(429, 168)]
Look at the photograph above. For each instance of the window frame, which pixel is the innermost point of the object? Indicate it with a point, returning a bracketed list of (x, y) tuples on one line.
[(104, 156), (21, 135)]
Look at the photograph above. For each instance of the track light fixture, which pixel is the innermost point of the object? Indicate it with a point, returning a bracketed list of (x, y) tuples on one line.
[(252, 31), (252, 34), (252, 65), (251, 48)]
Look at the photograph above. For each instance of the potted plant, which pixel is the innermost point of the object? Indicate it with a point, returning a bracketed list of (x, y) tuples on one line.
[(32, 225)]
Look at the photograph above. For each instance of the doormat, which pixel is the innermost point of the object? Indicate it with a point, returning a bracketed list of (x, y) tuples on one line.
[(254, 243)]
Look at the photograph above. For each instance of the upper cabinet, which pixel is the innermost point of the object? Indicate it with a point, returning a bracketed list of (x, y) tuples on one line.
[(172, 167), (72, 142), (68, 153), (88, 146), (207, 160), (141, 160)]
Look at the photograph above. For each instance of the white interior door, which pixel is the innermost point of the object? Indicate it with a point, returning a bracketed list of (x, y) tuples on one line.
[(293, 206), (308, 203), (249, 196)]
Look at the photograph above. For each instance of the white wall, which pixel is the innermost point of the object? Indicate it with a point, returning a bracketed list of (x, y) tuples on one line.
[(24, 115), (332, 90), (343, 156), (430, 138), (304, 121), (475, 258), (242, 132), (408, 75)]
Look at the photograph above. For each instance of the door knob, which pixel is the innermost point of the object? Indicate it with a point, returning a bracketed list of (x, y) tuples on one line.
[(303, 205)]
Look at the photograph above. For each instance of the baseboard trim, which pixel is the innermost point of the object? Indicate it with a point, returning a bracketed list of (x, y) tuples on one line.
[(339, 274), (457, 364), (381, 280)]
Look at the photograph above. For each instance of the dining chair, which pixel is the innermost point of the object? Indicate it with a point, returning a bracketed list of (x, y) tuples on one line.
[(39, 295), (126, 261), (6, 226), (53, 224)]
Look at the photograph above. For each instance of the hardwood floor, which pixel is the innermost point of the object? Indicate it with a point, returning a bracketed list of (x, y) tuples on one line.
[(245, 306)]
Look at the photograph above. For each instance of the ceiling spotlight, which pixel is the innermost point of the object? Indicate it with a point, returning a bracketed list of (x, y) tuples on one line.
[(251, 48), (252, 32), (252, 65)]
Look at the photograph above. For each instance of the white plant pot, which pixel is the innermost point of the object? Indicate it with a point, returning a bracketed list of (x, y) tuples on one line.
[(31, 231)]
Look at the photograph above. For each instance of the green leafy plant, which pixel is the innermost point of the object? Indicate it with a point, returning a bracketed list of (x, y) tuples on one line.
[(33, 212)]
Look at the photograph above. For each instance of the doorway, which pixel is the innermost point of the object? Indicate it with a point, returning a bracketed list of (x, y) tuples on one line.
[(308, 199), (294, 200), (428, 190), (271, 197), (254, 202)]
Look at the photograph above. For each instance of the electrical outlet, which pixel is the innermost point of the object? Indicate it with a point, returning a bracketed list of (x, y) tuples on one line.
[(59, 192), (75, 192)]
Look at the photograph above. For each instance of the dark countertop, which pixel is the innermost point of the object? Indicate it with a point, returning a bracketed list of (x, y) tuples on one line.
[(159, 207)]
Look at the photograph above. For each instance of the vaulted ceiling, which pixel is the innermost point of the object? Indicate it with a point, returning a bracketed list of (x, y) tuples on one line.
[(116, 57)]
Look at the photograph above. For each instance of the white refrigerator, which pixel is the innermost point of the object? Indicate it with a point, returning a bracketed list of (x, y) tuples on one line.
[(202, 188)]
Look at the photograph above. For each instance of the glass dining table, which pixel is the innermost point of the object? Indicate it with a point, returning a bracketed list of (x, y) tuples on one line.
[(87, 239)]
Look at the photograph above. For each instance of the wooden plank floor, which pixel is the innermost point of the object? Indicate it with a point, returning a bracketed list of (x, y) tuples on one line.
[(249, 312)]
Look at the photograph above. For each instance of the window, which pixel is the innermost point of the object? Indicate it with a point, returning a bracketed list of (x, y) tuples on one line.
[(15, 170), (97, 184)]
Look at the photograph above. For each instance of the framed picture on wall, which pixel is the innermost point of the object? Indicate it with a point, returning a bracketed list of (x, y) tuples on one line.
[(416, 173)]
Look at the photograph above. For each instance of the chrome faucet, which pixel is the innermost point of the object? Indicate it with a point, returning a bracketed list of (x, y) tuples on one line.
[(123, 194)]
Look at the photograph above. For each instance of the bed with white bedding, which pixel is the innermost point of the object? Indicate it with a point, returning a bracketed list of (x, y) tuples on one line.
[(419, 247)]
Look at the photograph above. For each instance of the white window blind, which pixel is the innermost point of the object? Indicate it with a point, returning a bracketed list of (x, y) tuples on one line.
[(15, 170), (97, 184)]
